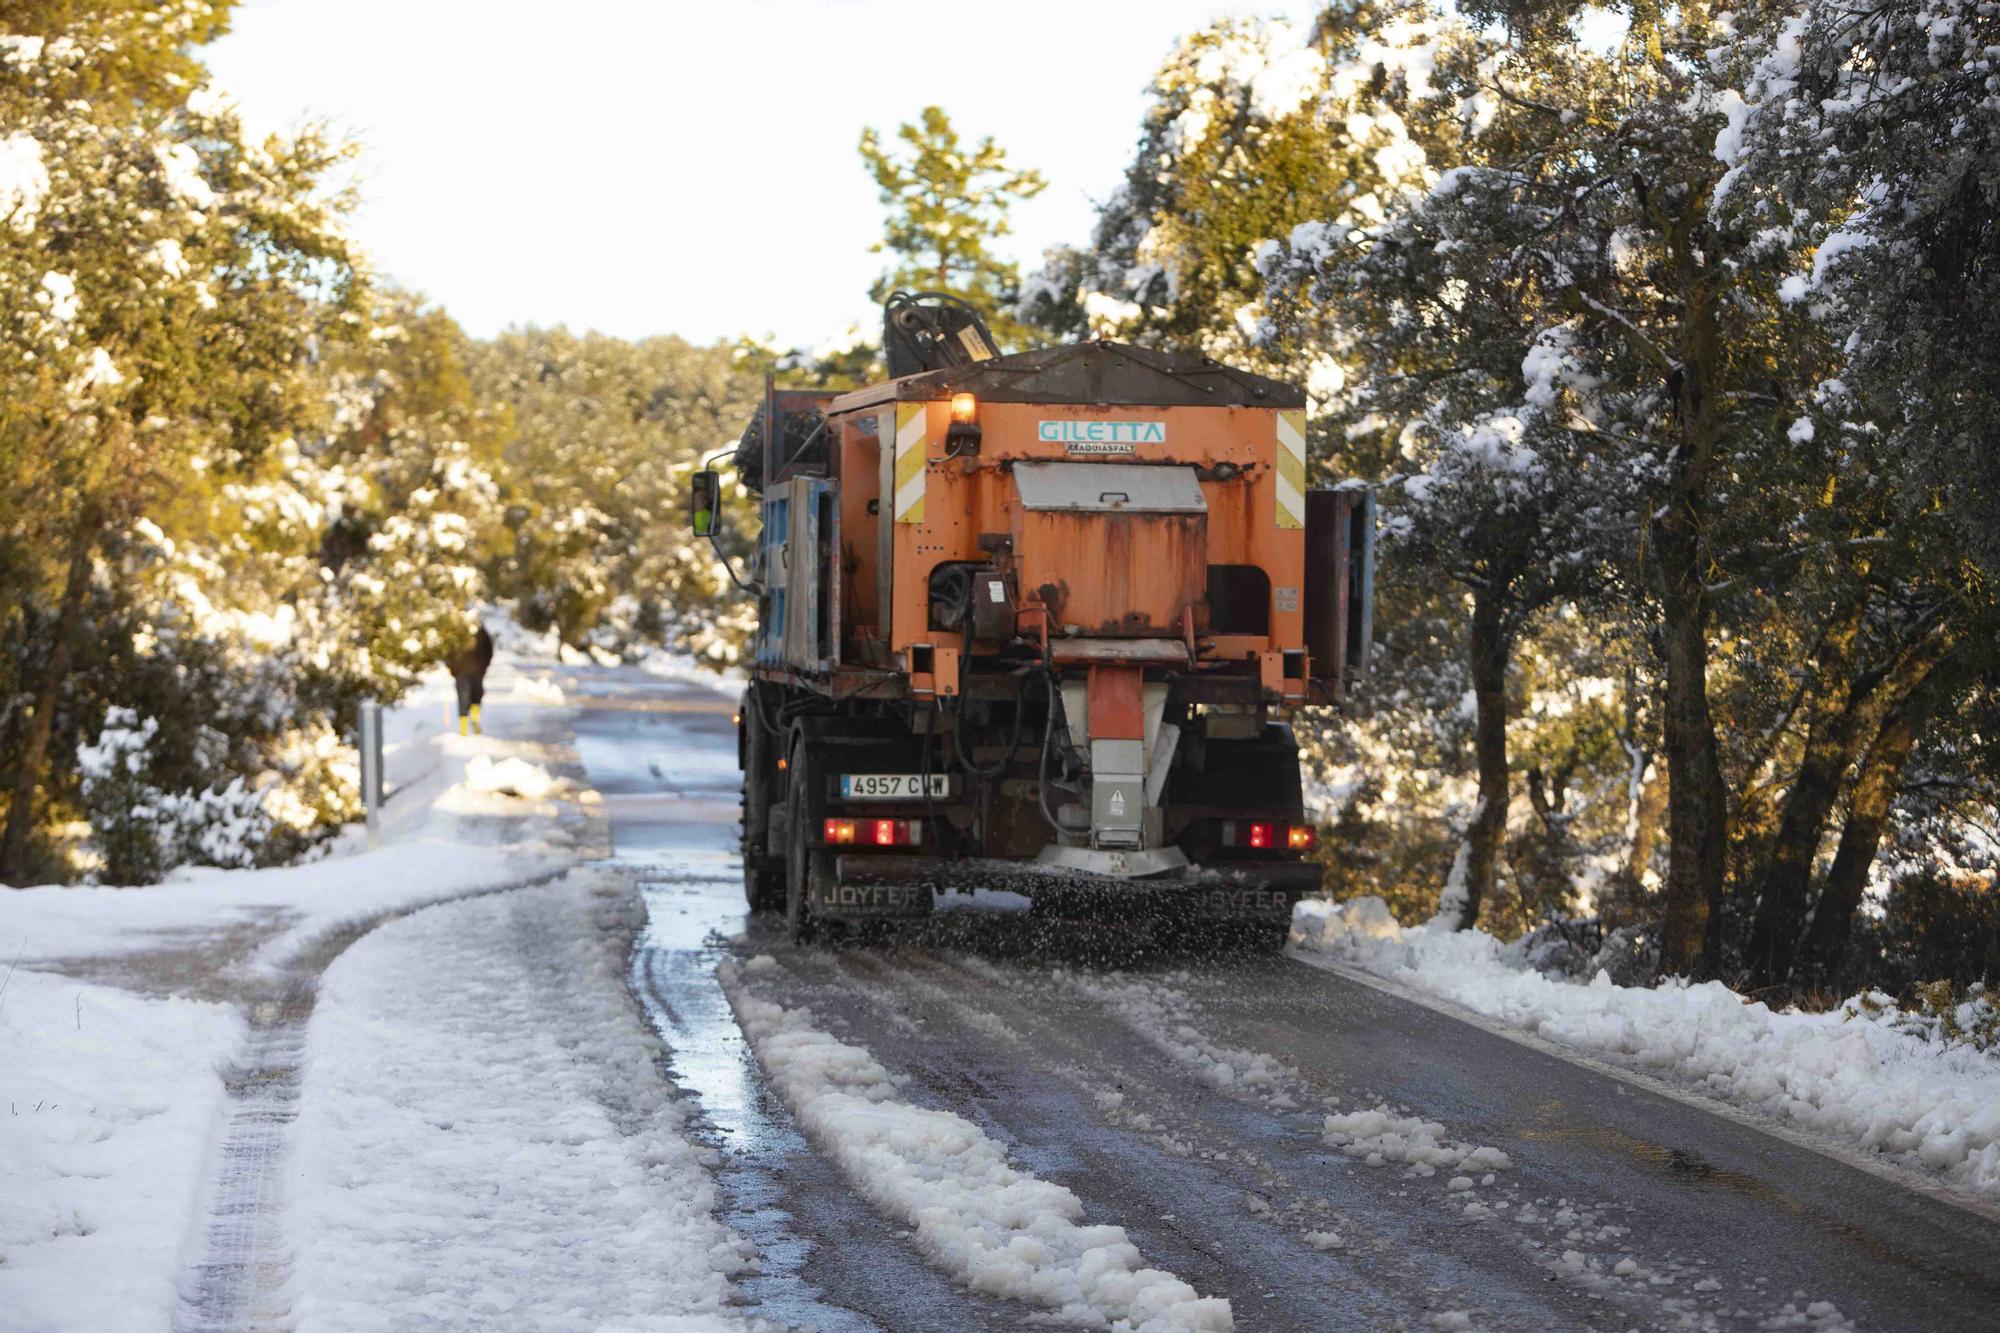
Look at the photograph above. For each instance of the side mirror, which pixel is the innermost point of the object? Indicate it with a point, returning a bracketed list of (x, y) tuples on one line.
[(704, 502)]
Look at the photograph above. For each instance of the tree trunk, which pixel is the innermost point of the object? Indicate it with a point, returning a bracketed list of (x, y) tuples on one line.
[(1867, 816), (1697, 802), (1697, 810), (1489, 744), (1830, 746), (1781, 904), (41, 723), (1809, 800)]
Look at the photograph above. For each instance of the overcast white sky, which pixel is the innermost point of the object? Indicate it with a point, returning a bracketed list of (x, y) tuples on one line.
[(684, 167)]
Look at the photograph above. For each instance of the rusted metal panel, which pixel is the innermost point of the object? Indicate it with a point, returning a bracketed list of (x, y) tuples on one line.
[(1145, 652), (1119, 575)]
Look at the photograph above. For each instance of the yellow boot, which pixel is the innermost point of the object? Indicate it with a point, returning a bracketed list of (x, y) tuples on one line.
[(461, 724), (477, 730)]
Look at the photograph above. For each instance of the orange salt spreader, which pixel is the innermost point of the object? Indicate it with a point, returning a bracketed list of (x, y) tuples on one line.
[(1037, 623)]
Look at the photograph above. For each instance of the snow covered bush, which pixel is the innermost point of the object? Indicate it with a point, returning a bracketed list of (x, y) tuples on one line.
[(1943, 1013), (140, 830)]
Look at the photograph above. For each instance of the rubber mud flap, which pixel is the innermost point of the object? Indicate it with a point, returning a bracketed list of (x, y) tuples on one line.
[(1248, 902), (871, 900)]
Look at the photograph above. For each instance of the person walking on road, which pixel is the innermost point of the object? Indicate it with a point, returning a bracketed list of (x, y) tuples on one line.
[(468, 671)]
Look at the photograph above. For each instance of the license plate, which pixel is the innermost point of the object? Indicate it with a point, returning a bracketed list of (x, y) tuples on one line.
[(891, 786)]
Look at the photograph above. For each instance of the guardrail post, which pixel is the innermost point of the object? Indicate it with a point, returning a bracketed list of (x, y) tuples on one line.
[(371, 768)]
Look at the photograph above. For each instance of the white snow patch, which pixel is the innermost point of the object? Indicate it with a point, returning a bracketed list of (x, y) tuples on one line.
[(482, 1091), (1380, 1136), (1843, 1073), (1000, 1230), (24, 181), (1163, 1013), (511, 776), (538, 690), (180, 171), (111, 1102)]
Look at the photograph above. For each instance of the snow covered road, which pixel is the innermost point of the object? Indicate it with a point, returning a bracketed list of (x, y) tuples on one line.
[(1309, 1148), (465, 1082)]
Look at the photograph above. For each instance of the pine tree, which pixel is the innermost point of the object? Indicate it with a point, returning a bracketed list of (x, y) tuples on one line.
[(165, 280), (947, 204)]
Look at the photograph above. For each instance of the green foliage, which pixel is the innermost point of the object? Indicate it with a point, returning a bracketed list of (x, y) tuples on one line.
[(947, 203), (1565, 303), (601, 439)]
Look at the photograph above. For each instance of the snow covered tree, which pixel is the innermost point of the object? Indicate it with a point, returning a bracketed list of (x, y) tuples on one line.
[(1254, 129), (602, 438), (948, 203), (166, 278), (1872, 132)]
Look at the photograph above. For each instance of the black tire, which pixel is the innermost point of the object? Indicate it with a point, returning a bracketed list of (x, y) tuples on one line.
[(807, 864), (763, 874)]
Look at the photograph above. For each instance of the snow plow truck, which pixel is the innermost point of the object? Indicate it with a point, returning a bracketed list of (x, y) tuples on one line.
[(1036, 624)]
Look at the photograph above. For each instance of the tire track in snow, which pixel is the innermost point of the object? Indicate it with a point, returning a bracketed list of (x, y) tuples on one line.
[(239, 1279)]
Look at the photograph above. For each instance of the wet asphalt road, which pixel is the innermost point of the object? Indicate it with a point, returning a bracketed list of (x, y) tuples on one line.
[(1621, 1208)]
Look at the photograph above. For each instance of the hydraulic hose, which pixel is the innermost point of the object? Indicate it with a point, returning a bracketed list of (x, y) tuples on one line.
[(999, 769), (1042, 769)]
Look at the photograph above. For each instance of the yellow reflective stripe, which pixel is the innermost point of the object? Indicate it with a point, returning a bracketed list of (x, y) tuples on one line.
[(1291, 472), (911, 419)]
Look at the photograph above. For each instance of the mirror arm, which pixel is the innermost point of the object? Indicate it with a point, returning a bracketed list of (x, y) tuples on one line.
[(729, 568)]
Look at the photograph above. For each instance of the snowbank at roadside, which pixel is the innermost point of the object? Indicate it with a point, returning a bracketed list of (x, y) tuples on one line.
[(482, 1087), (998, 1229), (111, 1101), (1843, 1075), (114, 1100), (446, 831), (664, 665)]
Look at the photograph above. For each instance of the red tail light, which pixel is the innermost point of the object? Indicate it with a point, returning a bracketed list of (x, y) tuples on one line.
[(873, 833), (1267, 837)]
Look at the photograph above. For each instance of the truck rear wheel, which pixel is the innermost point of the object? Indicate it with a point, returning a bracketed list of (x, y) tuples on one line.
[(807, 864)]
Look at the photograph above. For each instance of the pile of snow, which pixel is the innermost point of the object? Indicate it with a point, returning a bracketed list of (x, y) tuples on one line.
[(1162, 1013), (434, 845), (1000, 1230), (665, 665), (1848, 1074), (483, 1088), (511, 776), (537, 690), (1380, 1136), (111, 1101)]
